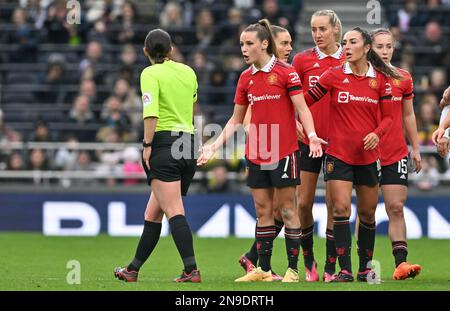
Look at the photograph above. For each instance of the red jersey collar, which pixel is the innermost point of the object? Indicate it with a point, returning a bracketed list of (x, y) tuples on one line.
[(370, 73), (322, 55), (267, 68)]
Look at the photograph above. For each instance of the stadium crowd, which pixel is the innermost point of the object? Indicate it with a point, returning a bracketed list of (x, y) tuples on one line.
[(79, 82)]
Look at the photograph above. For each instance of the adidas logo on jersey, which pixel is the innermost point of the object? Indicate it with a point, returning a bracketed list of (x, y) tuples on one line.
[(251, 82), (316, 65), (285, 176), (346, 81), (403, 176)]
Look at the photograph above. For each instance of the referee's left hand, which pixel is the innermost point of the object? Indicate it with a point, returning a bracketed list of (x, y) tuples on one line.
[(146, 153), (371, 141)]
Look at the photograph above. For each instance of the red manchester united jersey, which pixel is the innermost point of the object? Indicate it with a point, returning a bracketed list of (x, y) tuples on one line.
[(272, 133), (354, 107), (310, 65), (393, 146)]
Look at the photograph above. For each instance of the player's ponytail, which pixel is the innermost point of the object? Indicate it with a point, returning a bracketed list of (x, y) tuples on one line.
[(158, 45), (376, 60), (264, 32)]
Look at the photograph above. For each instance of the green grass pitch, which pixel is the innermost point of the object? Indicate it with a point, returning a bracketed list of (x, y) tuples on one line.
[(35, 262)]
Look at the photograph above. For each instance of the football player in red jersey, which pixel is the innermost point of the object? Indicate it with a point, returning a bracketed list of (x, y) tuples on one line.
[(326, 30), (273, 89), (249, 260), (359, 92), (394, 155)]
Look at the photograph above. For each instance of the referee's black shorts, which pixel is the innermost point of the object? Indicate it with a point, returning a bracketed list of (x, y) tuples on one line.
[(173, 158)]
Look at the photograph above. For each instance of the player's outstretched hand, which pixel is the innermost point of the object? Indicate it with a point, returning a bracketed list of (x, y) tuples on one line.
[(206, 153), (371, 141), (315, 147), (437, 135)]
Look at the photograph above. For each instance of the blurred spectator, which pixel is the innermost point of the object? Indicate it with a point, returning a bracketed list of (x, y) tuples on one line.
[(220, 182), (201, 66), (105, 10), (42, 133), (7, 134), (24, 36), (109, 159), (205, 29), (438, 81), (66, 156), (37, 161), (427, 120), (127, 61), (271, 10), (123, 28), (131, 102), (113, 116), (88, 88), (94, 59), (171, 16), (54, 80), (176, 54), (99, 33), (58, 29), (81, 115), (36, 11), (15, 162), (229, 28), (217, 96), (431, 46), (84, 163), (132, 165), (428, 177)]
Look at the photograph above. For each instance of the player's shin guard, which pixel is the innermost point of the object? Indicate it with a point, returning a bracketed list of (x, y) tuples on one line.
[(366, 243), (307, 246), (292, 239), (330, 263), (343, 240), (264, 245)]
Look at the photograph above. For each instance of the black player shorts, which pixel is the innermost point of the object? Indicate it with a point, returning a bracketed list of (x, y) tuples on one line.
[(395, 173), (308, 164), (284, 173), (172, 158), (367, 175)]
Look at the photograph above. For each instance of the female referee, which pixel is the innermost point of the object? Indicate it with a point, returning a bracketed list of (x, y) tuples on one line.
[(359, 92), (394, 155), (169, 92), (273, 89), (326, 30)]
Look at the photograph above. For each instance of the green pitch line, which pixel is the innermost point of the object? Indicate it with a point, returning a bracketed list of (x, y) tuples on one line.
[(35, 262)]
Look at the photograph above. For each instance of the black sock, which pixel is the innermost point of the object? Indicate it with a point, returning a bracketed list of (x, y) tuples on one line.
[(307, 246), (149, 239), (330, 262), (182, 236), (252, 254), (292, 239), (400, 251), (366, 244), (264, 245), (343, 241)]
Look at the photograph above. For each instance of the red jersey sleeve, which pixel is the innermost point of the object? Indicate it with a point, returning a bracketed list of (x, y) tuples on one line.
[(386, 107), (320, 89), (296, 62), (293, 83), (240, 97), (408, 90)]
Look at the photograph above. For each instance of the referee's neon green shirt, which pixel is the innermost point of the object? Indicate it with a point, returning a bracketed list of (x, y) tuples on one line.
[(169, 91)]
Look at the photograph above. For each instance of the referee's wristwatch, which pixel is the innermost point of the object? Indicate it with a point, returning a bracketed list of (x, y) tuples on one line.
[(146, 144)]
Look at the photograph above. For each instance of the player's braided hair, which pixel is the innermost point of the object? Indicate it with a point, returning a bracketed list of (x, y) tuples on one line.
[(264, 32), (373, 57), (158, 45)]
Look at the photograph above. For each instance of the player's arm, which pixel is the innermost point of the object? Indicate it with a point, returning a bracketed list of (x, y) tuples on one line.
[(443, 125), (372, 139), (307, 121), (445, 101), (246, 121), (320, 89), (409, 120)]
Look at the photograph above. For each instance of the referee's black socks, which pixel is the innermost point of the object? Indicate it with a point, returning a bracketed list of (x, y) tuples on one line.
[(366, 244), (149, 239), (343, 240), (182, 236)]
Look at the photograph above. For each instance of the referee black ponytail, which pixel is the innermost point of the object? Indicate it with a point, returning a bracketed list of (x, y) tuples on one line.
[(373, 57), (264, 32), (158, 45)]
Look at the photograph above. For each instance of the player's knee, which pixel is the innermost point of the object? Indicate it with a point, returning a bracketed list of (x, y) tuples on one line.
[(367, 216), (395, 210), (341, 210)]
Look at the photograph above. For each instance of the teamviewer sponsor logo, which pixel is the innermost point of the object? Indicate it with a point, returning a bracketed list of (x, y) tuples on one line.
[(343, 97)]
